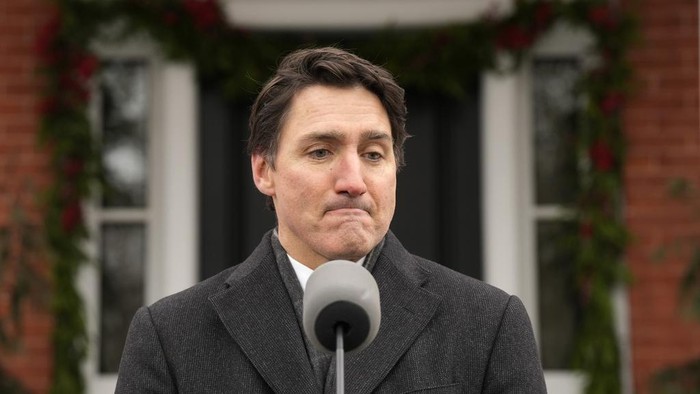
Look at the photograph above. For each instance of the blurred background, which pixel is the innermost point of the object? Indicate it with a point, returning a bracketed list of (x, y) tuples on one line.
[(552, 155)]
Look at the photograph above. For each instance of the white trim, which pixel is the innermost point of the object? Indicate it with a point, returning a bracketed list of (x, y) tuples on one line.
[(123, 215), (171, 214), (508, 158), (549, 211), (95, 381), (501, 246), (355, 14), (178, 223), (621, 308), (569, 382), (563, 40), (528, 212)]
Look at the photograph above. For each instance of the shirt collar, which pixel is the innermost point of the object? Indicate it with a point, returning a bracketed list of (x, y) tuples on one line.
[(303, 272)]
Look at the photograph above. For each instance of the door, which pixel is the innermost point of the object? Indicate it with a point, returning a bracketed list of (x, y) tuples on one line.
[(438, 195)]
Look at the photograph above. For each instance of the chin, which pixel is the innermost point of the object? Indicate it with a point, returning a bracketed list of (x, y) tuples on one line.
[(352, 250)]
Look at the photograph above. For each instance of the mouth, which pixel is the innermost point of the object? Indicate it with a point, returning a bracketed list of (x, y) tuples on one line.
[(347, 211), (348, 208)]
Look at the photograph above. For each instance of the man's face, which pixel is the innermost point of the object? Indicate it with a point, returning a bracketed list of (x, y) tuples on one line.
[(334, 176)]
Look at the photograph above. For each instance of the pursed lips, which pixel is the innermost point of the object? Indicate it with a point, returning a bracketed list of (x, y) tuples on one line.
[(348, 206)]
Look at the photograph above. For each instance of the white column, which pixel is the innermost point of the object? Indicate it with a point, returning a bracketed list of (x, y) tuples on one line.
[(500, 194), (177, 201)]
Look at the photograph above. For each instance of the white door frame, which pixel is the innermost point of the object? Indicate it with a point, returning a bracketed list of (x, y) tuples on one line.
[(171, 214)]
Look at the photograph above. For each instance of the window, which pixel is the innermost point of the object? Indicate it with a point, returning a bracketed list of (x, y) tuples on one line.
[(143, 232), (554, 106), (548, 163), (123, 216), (529, 179), (551, 160)]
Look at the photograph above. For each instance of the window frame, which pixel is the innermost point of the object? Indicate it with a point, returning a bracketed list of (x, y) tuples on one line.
[(170, 214), (510, 212)]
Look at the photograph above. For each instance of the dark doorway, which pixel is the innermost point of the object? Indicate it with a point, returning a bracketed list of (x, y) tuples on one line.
[(438, 213)]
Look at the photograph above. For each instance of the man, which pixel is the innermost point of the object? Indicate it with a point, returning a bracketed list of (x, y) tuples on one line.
[(327, 133)]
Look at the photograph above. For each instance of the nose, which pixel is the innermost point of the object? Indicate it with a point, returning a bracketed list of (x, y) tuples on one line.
[(349, 177)]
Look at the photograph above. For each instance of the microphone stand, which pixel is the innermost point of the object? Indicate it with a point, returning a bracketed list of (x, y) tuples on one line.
[(339, 360), (342, 299)]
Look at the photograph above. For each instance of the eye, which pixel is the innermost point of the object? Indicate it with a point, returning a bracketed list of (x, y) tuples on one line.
[(373, 156), (318, 154)]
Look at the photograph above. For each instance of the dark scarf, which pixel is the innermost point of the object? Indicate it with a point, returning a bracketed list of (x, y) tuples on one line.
[(320, 361)]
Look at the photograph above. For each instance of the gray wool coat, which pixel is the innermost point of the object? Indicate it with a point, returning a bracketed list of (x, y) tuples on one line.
[(441, 332)]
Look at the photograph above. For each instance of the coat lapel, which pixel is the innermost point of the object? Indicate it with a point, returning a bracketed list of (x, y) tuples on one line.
[(259, 315), (406, 310)]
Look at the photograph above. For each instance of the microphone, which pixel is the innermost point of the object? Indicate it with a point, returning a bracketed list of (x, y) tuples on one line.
[(341, 304)]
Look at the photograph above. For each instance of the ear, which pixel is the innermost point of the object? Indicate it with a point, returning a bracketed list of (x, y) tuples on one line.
[(262, 174)]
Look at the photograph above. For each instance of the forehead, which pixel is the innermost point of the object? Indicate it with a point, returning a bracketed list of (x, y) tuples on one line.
[(320, 108)]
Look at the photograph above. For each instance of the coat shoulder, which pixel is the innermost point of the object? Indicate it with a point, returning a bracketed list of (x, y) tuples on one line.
[(193, 300), (451, 284)]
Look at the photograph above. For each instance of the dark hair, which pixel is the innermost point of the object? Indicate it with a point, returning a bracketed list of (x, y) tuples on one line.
[(322, 66)]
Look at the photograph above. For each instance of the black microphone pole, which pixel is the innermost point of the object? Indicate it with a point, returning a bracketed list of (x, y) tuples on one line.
[(339, 360)]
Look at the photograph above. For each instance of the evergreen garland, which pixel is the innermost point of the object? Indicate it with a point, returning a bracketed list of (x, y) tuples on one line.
[(443, 59)]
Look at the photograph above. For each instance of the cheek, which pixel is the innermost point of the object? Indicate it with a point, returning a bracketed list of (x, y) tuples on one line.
[(387, 195), (390, 205), (298, 189)]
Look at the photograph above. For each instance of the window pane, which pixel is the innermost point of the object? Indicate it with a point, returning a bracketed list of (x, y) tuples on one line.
[(123, 254), (123, 88), (558, 306), (555, 109)]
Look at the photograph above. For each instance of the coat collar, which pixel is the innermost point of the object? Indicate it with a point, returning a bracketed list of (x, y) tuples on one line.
[(406, 310), (258, 314)]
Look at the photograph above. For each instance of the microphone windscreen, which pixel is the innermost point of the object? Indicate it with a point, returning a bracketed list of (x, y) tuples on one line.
[(343, 293)]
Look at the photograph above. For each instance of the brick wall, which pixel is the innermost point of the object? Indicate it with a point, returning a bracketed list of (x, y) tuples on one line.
[(22, 173), (663, 130)]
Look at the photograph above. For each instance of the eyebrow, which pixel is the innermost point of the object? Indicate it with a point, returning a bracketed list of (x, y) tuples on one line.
[(377, 135), (334, 135)]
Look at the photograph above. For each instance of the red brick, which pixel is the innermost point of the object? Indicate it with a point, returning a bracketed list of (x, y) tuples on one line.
[(19, 22), (663, 130)]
